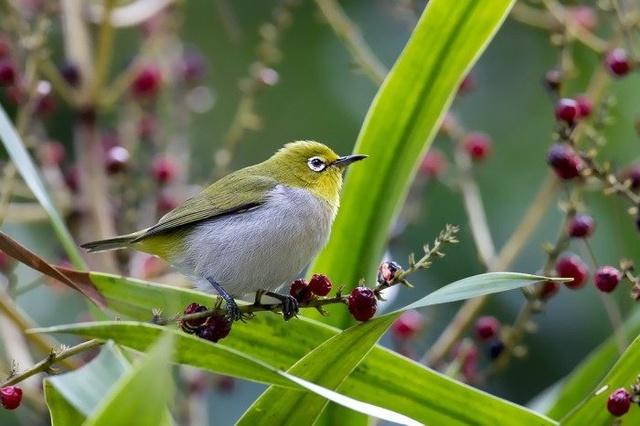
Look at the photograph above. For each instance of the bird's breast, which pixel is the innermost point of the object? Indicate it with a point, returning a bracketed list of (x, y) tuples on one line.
[(261, 248)]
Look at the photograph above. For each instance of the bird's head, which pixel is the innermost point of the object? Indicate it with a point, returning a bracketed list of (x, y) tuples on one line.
[(313, 166)]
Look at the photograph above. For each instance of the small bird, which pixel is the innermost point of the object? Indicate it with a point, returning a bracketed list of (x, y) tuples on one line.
[(254, 229)]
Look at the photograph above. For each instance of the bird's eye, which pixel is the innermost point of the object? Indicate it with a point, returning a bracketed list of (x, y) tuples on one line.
[(316, 164)]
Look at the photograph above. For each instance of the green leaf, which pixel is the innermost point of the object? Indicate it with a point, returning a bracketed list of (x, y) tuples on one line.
[(253, 348), (330, 363), (85, 388), (589, 372), (191, 350), (27, 169), (62, 413), (593, 411), (398, 129), (141, 396)]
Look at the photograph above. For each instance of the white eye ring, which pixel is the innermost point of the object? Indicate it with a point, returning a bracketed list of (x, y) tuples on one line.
[(316, 164)]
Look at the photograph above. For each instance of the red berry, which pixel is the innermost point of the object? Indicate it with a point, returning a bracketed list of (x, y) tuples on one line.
[(72, 179), (71, 73), (585, 106), (607, 278), (164, 169), (553, 80), (467, 85), (362, 303), (567, 110), (320, 285), (581, 226), (191, 325), (565, 161), (226, 384), (549, 289), (8, 73), (477, 145), (387, 272), (300, 290), (617, 61), (217, 327), (147, 82), (408, 324), (52, 153), (619, 402), (10, 397), (584, 16), (117, 159), (571, 266), (433, 164), (487, 327)]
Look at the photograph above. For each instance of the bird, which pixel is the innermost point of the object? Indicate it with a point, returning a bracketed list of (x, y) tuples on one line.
[(253, 230)]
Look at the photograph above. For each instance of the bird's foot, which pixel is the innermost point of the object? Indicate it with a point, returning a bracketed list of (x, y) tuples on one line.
[(233, 311), (290, 307)]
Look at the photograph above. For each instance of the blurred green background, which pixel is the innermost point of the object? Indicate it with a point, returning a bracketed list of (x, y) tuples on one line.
[(320, 96)]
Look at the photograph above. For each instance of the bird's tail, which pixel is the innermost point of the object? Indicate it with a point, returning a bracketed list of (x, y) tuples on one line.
[(115, 243)]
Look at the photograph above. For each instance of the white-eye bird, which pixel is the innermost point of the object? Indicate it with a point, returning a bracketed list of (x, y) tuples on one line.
[(254, 229)]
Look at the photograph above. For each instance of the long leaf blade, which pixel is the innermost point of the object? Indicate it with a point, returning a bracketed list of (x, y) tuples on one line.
[(398, 130), (27, 169)]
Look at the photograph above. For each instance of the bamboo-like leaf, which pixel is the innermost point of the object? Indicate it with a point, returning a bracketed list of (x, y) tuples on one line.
[(61, 412), (398, 129), (141, 396), (27, 169), (332, 362), (593, 411), (589, 372), (85, 388)]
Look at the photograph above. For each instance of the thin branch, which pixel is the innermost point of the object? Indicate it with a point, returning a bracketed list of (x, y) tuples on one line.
[(53, 358)]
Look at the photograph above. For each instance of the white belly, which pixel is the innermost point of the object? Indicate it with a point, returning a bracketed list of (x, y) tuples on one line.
[(261, 248)]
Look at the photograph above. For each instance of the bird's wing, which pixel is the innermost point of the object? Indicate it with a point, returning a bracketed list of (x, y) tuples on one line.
[(232, 194)]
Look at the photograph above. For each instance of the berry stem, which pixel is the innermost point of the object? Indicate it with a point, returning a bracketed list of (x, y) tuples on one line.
[(53, 358)]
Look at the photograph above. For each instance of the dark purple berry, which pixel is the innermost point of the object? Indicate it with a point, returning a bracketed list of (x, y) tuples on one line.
[(117, 159), (549, 289), (192, 67), (362, 303), (553, 80), (10, 397), (619, 402), (567, 110), (164, 169), (300, 290), (581, 226), (487, 327), (71, 73), (217, 327), (408, 324), (632, 174), (495, 348), (618, 62), (191, 325), (8, 72), (607, 278), (585, 106), (320, 285), (565, 161), (571, 266), (45, 102)]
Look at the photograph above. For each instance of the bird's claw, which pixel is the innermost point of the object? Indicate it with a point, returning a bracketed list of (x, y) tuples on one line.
[(290, 307), (233, 311)]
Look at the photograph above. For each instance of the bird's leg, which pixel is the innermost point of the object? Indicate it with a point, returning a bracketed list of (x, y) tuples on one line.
[(289, 304), (258, 299), (232, 307)]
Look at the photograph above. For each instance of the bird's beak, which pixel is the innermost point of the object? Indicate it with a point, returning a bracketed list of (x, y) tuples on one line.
[(343, 162)]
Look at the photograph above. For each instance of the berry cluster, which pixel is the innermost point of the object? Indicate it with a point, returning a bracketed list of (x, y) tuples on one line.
[(213, 327)]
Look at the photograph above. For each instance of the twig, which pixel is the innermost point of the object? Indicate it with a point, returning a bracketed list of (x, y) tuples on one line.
[(53, 358), (104, 52), (353, 40)]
